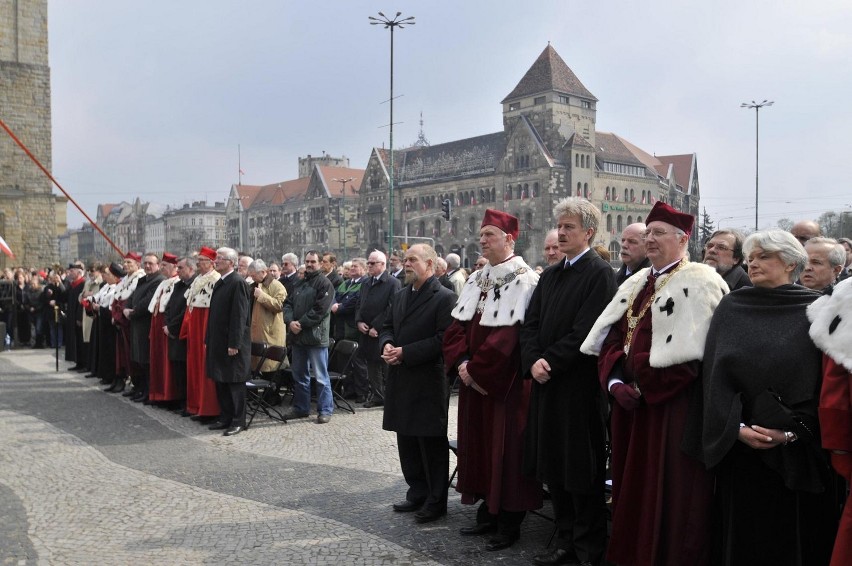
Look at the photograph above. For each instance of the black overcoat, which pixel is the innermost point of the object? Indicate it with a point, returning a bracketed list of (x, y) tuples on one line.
[(416, 390), (565, 433), (372, 310), (229, 326), (140, 318), (175, 310)]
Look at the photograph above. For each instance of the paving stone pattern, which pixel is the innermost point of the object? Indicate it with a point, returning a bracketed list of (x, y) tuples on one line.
[(87, 477)]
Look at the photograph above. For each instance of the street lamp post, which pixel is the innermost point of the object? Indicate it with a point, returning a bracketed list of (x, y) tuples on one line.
[(391, 23), (757, 106), (341, 211)]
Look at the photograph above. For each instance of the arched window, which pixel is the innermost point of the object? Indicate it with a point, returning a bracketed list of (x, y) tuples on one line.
[(421, 229), (579, 188), (576, 159), (643, 197), (585, 190), (519, 191), (436, 230), (609, 223), (632, 196), (619, 226), (607, 193), (638, 219), (508, 194), (614, 248), (626, 195), (535, 190), (629, 220), (526, 193), (493, 195), (455, 226), (528, 219), (471, 225), (588, 161)]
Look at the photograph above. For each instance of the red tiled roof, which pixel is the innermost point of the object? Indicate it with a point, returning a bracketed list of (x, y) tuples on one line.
[(274, 193), (106, 208), (682, 167), (549, 72), (329, 174)]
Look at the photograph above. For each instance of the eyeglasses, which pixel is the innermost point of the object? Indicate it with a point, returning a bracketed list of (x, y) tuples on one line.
[(657, 233), (802, 239), (718, 247), (374, 262)]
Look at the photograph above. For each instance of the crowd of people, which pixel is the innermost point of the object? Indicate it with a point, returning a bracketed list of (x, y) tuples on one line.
[(715, 393)]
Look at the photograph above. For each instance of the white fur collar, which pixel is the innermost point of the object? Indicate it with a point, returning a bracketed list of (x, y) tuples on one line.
[(679, 333), (201, 291), (162, 294), (831, 323), (508, 287), (127, 285)]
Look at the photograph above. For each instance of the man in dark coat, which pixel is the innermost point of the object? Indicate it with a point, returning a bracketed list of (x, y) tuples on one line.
[(229, 343), (289, 272), (137, 312), (724, 253), (482, 346), (175, 311), (632, 252), (565, 436), (74, 346), (373, 305), (416, 392)]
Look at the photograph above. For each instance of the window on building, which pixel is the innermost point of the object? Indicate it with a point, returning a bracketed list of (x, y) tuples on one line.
[(607, 194), (586, 104), (626, 195), (576, 160), (540, 100), (585, 190), (614, 249), (535, 190), (579, 188), (564, 99), (619, 225), (609, 222), (629, 220), (632, 196), (508, 194), (514, 106)]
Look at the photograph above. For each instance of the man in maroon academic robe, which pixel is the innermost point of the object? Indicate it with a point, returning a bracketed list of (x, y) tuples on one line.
[(482, 346), (160, 387), (651, 339)]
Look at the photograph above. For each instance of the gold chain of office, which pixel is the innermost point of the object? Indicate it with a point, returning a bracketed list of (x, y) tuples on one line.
[(633, 321)]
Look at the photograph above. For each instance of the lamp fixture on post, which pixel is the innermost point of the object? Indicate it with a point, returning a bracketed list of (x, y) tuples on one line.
[(756, 106), (391, 23)]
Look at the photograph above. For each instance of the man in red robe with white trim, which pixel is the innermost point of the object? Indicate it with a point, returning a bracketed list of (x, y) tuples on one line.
[(160, 383), (201, 400)]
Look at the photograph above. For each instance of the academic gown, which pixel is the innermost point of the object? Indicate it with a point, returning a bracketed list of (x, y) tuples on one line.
[(161, 386), (200, 391), (491, 429), (661, 497)]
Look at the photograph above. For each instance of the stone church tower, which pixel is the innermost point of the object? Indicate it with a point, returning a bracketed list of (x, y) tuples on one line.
[(28, 219)]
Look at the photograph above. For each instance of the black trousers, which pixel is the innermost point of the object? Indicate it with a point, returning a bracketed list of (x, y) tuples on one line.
[(378, 374), (581, 521), (178, 371), (425, 462), (232, 403)]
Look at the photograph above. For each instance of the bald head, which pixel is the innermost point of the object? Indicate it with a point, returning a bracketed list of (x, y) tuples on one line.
[(551, 248), (804, 230)]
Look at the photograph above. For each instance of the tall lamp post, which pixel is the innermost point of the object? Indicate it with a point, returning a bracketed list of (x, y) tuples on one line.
[(391, 23), (757, 106), (341, 211)]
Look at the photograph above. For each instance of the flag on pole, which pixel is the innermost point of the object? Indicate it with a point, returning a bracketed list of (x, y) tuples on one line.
[(5, 248)]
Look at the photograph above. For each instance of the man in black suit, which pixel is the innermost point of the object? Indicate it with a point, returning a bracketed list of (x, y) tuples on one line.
[(376, 295), (566, 428), (137, 312), (175, 310), (395, 266), (229, 343), (416, 392)]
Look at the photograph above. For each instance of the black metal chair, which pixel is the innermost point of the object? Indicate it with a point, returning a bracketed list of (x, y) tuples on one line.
[(339, 366), (264, 387)]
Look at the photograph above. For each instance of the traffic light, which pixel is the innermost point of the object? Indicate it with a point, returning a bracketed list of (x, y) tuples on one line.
[(446, 208)]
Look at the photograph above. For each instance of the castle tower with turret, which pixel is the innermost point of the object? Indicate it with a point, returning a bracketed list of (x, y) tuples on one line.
[(28, 220)]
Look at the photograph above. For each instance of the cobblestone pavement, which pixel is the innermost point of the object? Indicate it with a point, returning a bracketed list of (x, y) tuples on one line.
[(87, 477)]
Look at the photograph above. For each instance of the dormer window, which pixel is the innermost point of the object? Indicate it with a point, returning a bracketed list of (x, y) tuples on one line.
[(586, 104), (540, 100), (564, 99), (514, 106)]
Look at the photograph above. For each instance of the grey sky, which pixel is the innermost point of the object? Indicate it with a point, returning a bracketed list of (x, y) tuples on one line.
[(151, 98)]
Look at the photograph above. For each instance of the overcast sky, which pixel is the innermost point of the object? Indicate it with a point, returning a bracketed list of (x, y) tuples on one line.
[(151, 99)]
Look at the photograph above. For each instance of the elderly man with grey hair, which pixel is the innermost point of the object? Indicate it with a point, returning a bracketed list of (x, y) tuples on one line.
[(267, 309), (566, 429), (846, 243), (289, 272), (455, 275), (826, 258), (242, 266)]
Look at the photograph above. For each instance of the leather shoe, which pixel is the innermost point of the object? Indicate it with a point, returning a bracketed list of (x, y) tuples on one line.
[(90, 375), (478, 529), (293, 414), (501, 541), (130, 393), (232, 431), (323, 419), (555, 556), (373, 403), (219, 426), (407, 506), (429, 515)]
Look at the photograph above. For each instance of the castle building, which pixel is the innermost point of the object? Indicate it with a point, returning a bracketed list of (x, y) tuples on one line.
[(30, 214), (549, 149)]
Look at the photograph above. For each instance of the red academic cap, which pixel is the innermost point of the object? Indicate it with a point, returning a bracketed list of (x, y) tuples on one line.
[(170, 258), (209, 253), (665, 213), (502, 220)]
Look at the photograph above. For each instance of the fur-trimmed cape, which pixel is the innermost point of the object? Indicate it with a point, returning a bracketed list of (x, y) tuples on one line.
[(680, 315), (831, 323), (509, 287)]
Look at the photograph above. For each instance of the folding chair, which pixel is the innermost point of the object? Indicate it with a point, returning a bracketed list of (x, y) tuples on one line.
[(259, 388), (453, 445), (339, 365)]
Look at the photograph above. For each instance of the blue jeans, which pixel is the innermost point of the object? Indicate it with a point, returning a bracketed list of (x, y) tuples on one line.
[(318, 359)]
